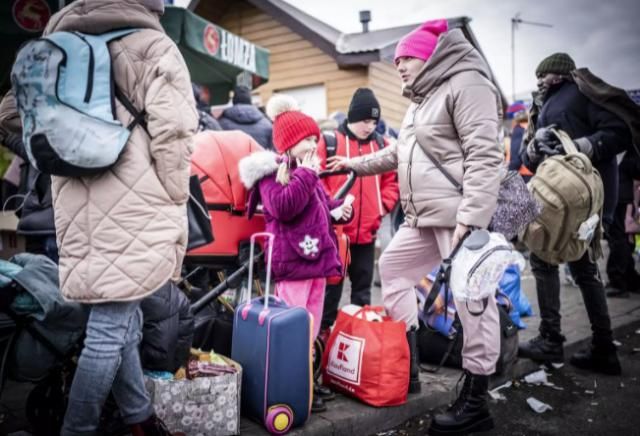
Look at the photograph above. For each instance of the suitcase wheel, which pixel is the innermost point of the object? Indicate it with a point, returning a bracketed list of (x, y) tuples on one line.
[(279, 419)]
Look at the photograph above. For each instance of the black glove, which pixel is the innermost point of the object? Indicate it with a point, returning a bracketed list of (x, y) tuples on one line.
[(544, 144), (546, 139)]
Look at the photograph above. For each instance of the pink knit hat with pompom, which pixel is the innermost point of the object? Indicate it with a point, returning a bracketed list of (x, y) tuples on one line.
[(421, 42)]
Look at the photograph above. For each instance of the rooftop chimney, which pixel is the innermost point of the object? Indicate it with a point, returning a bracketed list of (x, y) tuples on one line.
[(365, 17)]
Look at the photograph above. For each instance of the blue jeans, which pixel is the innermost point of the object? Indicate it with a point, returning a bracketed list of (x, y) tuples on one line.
[(109, 362)]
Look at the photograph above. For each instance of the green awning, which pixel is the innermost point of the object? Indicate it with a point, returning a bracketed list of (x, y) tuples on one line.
[(214, 56)]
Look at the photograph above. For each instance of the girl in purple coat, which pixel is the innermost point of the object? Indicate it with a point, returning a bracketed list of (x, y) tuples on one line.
[(296, 210)]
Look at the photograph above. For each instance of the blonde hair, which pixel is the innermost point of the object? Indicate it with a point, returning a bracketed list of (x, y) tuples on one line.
[(283, 175)]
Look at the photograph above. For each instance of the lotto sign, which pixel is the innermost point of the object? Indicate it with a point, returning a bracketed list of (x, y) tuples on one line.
[(345, 358)]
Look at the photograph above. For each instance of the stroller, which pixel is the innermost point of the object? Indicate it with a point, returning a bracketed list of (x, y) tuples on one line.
[(40, 336), (214, 272)]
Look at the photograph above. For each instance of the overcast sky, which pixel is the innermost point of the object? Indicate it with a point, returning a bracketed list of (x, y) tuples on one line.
[(603, 35)]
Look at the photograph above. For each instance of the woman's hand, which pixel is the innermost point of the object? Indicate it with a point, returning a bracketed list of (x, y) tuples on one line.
[(458, 234), (335, 163), (347, 210)]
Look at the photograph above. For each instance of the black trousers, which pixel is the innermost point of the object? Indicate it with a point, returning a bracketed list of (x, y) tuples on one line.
[(585, 273), (360, 273), (621, 265)]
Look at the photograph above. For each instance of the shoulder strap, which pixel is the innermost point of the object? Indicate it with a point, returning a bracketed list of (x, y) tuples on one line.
[(116, 34), (438, 165), (138, 116), (380, 141), (442, 278), (331, 143), (447, 353)]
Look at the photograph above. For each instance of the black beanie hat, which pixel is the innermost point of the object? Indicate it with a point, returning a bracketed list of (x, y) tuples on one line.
[(241, 95), (557, 63), (363, 106)]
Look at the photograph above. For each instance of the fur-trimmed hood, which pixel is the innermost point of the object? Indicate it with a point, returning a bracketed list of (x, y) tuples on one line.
[(256, 166)]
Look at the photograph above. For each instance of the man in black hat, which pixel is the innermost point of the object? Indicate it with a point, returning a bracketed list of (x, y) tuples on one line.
[(601, 136), (374, 197), (244, 116)]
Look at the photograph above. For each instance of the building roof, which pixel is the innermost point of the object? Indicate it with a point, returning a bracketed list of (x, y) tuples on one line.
[(350, 49)]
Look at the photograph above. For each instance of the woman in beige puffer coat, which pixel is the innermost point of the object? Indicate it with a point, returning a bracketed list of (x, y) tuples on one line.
[(454, 114), (122, 234)]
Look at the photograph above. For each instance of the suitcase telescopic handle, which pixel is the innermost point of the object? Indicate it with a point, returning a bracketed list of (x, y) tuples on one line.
[(270, 238)]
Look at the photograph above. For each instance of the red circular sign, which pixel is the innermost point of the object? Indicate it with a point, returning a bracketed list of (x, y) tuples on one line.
[(31, 15), (211, 39)]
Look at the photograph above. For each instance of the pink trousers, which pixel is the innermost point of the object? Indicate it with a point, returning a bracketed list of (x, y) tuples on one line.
[(308, 294), (412, 254)]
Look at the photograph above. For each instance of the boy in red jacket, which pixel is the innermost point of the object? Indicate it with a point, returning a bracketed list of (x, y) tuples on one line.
[(375, 196)]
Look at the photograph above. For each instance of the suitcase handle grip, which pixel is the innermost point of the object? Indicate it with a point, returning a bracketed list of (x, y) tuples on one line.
[(270, 238)]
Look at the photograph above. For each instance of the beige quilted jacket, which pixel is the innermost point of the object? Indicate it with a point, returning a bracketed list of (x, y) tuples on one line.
[(455, 113), (122, 234)]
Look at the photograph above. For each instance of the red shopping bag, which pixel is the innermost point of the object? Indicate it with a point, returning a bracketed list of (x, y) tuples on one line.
[(368, 359)]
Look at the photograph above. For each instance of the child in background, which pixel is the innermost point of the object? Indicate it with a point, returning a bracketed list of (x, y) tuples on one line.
[(297, 212)]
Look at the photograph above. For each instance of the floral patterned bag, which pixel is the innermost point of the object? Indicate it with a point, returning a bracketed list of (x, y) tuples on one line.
[(200, 406)]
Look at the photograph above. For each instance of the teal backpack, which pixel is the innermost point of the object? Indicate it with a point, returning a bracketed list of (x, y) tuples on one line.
[(65, 95)]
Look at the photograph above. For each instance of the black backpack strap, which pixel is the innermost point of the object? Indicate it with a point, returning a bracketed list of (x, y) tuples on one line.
[(442, 279), (138, 116), (331, 143), (379, 140), (447, 353)]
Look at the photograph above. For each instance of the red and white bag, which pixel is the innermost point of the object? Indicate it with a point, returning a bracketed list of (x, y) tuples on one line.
[(366, 359)]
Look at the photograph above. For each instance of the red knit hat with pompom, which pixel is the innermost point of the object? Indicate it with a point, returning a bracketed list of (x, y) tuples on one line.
[(290, 126)]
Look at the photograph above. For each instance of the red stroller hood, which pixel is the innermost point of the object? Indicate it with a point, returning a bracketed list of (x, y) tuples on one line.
[(216, 156)]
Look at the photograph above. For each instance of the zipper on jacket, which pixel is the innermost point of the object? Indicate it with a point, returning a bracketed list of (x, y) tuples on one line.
[(89, 90), (410, 199)]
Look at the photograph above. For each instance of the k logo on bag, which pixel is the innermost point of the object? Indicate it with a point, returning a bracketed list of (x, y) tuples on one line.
[(345, 358)]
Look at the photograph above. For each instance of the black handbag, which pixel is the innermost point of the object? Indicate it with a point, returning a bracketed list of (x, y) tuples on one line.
[(437, 350), (200, 227)]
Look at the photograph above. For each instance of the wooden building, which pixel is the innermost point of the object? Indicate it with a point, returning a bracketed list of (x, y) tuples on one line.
[(315, 62)]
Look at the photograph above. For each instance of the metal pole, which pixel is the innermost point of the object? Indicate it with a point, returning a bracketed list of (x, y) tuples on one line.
[(514, 23), (513, 60)]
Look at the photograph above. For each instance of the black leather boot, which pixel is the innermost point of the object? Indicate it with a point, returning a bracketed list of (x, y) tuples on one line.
[(469, 413), (414, 361), (599, 357), (317, 404), (543, 348)]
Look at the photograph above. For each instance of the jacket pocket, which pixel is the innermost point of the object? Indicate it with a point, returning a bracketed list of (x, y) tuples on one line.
[(310, 245)]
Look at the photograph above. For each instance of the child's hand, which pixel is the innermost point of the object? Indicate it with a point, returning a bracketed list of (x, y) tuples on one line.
[(335, 163), (347, 210), (311, 161)]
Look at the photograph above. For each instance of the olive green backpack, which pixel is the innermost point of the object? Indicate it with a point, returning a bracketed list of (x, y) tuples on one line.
[(571, 193)]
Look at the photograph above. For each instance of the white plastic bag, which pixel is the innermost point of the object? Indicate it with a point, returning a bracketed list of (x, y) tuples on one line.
[(476, 271)]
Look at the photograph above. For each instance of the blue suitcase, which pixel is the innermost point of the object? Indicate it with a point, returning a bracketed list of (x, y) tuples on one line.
[(272, 342)]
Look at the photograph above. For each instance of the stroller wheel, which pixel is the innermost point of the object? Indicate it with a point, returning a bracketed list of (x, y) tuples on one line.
[(46, 405), (279, 419)]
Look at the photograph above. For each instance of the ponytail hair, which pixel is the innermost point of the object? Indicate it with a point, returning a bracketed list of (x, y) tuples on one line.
[(282, 176)]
